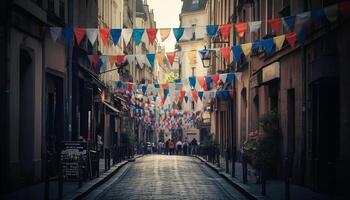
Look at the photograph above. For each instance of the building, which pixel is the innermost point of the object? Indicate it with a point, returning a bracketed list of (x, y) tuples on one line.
[(305, 85), (193, 17)]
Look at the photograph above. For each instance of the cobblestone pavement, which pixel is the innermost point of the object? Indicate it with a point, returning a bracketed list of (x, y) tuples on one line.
[(169, 177)]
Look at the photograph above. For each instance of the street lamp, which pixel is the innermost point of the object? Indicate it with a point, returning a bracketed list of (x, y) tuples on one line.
[(205, 57)]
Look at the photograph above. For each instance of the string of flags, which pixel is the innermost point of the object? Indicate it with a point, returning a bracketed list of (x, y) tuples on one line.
[(291, 23)]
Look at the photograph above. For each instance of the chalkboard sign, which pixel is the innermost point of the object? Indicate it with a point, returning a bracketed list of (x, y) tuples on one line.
[(74, 158)]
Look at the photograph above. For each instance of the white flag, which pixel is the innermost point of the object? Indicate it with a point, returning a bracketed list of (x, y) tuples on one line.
[(55, 33), (131, 60), (223, 77), (141, 59), (91, 34), (254, 26), (127, 33)]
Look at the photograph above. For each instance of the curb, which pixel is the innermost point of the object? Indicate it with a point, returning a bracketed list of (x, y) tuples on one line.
[(239, 186), (84, 191)]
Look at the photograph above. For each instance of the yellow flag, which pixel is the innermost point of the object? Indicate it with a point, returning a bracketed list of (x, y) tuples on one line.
[(246, 48), (192, 57), (164, 33), (279, 40), (160, 57)]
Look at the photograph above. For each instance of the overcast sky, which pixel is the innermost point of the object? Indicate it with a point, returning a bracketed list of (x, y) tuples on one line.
[(166, 14)]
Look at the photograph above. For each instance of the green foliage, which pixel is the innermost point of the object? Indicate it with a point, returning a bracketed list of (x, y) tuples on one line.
[(265, 146)]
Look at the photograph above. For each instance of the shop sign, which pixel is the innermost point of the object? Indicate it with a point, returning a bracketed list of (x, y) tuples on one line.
[(74, 158), (271, 72)]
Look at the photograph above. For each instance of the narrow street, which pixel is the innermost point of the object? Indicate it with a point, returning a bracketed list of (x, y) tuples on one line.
[(168, 177)]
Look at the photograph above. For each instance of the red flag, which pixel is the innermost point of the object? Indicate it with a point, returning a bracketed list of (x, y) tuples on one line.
[(275, 24), (104, 33), (130, 87), (94, 59), (225, 53), (171, 57), (112, 59), (152, 33), (79, 34), (241, 28), (165, 85), (182, 94), (120, 59), (215, 78), (225, 30), (195, 95), (202, 82), (291, 39), (231, 92)]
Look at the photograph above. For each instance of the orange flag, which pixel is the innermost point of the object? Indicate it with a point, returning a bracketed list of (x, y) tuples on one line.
[(241, 28), (275, 24), (225, 30), (225, 52), (104, 34), (202, 82), (79, 34)]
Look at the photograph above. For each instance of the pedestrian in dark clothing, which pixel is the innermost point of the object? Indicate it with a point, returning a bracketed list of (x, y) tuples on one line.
[(194, 145), (167, 147)]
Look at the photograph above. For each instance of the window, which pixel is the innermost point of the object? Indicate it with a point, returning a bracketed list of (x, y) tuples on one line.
[(62, 9), (195, 4), (194, 32), (51, 6)]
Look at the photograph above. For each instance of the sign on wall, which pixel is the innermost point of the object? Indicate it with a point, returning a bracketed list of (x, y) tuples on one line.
[(73, 158), (271, 72)]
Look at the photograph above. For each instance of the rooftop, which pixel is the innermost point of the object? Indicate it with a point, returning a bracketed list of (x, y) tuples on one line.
[(193, 5)]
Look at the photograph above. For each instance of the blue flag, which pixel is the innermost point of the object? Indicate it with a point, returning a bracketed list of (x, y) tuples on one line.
[(255, 47), (137, 35), (178, 32), (301, 35), (200, 95), (67, 35), (166, 92), (115, 33), (150, 58), (144, 89), (156, 85), (192, 81), (212, 30), (186, 98), (289, 22), (208, 81), (230, 77), (237, 51), (268, 46)]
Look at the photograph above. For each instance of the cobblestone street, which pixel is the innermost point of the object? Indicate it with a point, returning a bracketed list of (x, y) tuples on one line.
[(169, 177)]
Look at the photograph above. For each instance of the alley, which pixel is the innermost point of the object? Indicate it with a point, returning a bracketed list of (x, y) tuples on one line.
[(169, 177)]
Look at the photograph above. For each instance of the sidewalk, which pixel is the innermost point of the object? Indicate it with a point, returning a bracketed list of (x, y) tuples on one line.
[(252, 190), (71, 190)]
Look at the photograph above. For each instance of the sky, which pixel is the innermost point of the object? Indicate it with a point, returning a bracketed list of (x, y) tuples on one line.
[(166, 14)]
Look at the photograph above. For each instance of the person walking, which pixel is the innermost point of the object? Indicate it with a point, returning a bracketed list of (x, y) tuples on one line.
[(171, 147), (194, 145), (178, 147), (167, 147), (185, 147)]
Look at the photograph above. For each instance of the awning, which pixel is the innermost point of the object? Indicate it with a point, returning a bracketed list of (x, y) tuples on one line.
[(111, 107)]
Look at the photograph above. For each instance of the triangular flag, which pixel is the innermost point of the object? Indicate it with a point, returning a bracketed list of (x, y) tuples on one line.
[(241, 28), (200, 32), (192, 81), (317, 17), (268, 46), (230, 77), (186, 98), (120, 59), (150, 58), (202, 82), (206, 95), (215, 78), (223, 77), (188, 33), (141, 60), (166, 92), (200, 95), (164, 33), (112, 59), (94, 59), (115, 34), (178, 32), (137, 35), (225, 31), (165, 85), (144, 89), (301, 20), (130, 59), (104, 34), (331, 12), (231, 92), (212, 30), (301, 35), (127, 33), (246, 48), (237, 52), (208, 81), (91, 34), (79, 34), (194, 95), (67, 35), (171, 57), (279, 40), (255, 47), (225, 53), (275, 24), (152, 34), (289, 22), (238, 76), (160, 57), (254, 26), (55, 33)]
